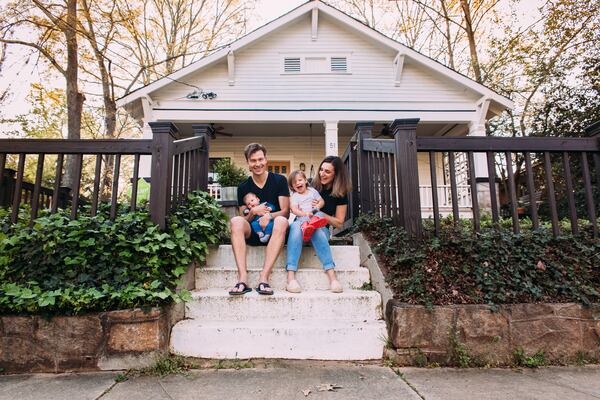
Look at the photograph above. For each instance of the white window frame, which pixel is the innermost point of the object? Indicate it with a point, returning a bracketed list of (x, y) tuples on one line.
[(328, 56)]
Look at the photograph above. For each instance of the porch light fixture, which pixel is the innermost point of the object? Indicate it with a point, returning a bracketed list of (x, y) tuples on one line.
[(201, 94)]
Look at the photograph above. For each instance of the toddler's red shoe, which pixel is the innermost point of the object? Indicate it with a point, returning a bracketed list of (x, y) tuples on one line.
[(307, 231), (318, 222), (309, 227)]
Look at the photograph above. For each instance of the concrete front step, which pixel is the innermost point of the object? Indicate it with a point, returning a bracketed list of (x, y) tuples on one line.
[(222, 256), (217, 304), (266, 338), (215, 277)]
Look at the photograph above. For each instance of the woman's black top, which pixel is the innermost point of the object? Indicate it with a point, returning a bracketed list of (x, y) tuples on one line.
[(331, 202)]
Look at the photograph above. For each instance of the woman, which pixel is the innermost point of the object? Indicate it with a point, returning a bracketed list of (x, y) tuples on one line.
[(333, 184)]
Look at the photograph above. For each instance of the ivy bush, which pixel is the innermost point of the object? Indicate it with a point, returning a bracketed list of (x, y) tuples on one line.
[(492, 267), (64, 266)]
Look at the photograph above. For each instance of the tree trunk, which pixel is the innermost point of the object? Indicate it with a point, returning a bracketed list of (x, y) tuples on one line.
[(74, 98), (448, 35), (471, 37)]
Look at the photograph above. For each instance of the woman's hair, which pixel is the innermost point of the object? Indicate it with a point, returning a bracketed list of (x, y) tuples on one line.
[(341, 184), (293, 176)]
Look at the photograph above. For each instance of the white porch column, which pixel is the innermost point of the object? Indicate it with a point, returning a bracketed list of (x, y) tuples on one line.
[(481, 172), (331, 138), (146, 161)]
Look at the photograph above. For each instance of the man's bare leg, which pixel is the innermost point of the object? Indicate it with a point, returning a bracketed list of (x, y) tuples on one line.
[(280, 227), (240, 230)]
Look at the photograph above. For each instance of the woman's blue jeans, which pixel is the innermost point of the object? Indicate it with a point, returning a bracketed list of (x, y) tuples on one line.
[(319, 241)]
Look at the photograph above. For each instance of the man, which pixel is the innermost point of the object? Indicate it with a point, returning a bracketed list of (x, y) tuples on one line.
[(270, 188)]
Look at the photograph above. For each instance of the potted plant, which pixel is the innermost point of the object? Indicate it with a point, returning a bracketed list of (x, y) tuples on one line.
[(229, 177)]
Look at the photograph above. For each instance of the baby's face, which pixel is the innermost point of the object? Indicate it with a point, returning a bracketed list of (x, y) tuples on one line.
[(300, 184), (252, 201)]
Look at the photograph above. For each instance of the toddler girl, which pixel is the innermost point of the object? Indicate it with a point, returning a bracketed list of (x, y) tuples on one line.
[(301, 204)]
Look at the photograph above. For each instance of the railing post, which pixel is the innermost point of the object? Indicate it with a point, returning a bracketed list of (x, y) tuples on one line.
[(363, 131), (353, 167), (405, 136), (7, 186), (163, 135), (206, 131)]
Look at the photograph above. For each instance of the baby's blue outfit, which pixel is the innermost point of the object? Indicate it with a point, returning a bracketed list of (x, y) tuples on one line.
[(256, 225)]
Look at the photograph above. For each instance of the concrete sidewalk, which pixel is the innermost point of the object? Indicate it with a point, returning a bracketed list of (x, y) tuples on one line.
[(288, 380)]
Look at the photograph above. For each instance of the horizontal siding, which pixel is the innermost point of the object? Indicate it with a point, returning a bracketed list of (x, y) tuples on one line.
[(294, 149), (258, 75)]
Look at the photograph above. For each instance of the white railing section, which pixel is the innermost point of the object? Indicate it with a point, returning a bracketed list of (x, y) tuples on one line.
[(214, 189), (445, 196)]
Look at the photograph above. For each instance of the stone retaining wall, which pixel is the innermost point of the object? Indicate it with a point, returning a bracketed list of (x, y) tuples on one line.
[(106, 340), (563, 332)]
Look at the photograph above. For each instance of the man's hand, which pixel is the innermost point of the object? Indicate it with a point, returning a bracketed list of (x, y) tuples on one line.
[(260, 210), (264, 221)]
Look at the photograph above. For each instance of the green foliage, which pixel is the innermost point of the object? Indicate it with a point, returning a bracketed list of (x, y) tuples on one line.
[(167, 365), (520, 359), (458, 353), (228, 174), (492, 267), (64, 266), (233, 364)]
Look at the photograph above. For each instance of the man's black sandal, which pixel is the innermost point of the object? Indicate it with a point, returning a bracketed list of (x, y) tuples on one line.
[(261, 289), (240, 292)]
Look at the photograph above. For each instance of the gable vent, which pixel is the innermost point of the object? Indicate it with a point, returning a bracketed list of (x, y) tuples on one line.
[(291, 64), (339, 64)]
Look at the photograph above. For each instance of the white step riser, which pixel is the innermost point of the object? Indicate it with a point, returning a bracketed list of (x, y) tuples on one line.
[(361, 305), (309, 279), (346, 256), (353, 341)]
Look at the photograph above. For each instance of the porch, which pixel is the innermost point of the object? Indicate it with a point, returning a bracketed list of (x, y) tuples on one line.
[(302, 145)]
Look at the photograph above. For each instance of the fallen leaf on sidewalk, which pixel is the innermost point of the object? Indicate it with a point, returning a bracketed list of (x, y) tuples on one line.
[(306, 392), (328, 387)]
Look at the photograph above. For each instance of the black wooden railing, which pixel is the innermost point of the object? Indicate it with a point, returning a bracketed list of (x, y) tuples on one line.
[(178, 166), (385, 175)]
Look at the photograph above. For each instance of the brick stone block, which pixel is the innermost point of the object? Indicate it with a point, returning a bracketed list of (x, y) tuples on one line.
[(485, 333), (19, 326), (22, 354), (557, 337), (78, 336), (142, 336), (415, 326)]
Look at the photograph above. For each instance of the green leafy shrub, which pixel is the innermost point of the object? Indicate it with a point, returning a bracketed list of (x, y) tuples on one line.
[(69, 266), (228, 174), (494, 266)]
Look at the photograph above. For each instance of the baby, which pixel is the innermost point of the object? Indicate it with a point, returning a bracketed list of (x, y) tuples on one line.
[(251, 200), (301, 204)]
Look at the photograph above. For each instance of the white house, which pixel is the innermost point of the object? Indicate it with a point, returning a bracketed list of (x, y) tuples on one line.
[(300, 83)]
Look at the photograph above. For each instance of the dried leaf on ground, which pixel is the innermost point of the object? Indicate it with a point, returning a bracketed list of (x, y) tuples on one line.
[(328, 387), (306, 392)]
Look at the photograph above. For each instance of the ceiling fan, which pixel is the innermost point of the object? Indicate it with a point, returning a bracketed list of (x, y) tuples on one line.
[(218, 130)]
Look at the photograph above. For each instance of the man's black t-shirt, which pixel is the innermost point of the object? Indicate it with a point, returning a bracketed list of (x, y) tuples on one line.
[(331, 202), (275, 186)]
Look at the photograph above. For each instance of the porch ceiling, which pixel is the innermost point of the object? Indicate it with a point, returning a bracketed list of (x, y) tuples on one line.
[(295, 130)]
